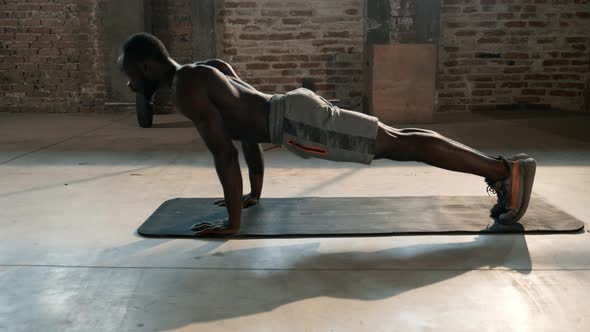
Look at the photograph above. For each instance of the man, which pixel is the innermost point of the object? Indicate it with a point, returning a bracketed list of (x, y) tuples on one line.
[(225, 108)]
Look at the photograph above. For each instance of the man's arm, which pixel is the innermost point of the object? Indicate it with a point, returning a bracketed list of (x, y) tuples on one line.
[(255, 160), (253, 154), (196, 99), (252, 151)]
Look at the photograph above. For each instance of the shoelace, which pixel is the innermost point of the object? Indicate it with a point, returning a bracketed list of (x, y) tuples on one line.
[(490, 190), (499, 191)]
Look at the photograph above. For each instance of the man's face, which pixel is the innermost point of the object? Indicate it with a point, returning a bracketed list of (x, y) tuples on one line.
[(139, 82)]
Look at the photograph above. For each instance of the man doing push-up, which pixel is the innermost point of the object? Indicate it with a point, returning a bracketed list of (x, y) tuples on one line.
[(224, 108)]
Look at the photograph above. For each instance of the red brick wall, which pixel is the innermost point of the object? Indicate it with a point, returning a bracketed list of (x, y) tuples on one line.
[(172, 23), (403, 14), (273, 44), (499, 52), (492, 52), (48, 56)]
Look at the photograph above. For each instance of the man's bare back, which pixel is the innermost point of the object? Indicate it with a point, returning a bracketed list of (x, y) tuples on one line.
[(213, 86)]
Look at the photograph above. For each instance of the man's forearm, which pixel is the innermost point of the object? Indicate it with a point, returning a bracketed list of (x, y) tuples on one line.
[(256, 181), (255, 160), (228, 170)]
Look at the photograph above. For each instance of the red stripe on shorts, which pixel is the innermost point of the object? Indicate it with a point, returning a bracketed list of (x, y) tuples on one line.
[(310, 149)]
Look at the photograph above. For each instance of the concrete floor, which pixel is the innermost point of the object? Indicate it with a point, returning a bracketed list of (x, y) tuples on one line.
[(74, 188)]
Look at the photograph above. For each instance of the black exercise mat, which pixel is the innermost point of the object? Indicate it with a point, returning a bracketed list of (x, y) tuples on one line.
[(360, 216)]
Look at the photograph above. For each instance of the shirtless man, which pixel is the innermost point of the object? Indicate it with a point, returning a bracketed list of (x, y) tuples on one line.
[(225, 108)]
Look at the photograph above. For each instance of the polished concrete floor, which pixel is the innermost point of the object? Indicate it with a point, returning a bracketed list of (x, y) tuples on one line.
[(74, 188)]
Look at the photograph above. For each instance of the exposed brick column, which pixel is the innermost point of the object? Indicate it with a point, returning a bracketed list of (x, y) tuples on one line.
[(50, 57), (172, 22)]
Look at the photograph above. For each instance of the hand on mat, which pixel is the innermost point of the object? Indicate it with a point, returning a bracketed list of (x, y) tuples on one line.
[(217, 227), (247, 201)]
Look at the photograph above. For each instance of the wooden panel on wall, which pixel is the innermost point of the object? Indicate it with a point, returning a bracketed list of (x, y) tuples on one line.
[(403, 83)]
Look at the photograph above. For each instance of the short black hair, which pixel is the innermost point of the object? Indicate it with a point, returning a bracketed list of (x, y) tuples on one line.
[(140, 47)]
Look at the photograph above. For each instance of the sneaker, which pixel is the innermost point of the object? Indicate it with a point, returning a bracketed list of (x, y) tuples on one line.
[(498, 209), (514, 193)]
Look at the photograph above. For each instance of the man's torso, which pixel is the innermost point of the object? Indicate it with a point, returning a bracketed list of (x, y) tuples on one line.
[(246, 119)]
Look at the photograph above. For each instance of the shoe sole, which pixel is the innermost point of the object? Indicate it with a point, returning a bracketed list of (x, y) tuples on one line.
[(526, 178), (501, 210)]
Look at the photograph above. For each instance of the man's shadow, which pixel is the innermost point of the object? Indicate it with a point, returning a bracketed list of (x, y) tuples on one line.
[(212, 294)]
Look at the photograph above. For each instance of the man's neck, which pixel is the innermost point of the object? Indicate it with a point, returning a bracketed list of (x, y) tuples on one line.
[(170, 69)]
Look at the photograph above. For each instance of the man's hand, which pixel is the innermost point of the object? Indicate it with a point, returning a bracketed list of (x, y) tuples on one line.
[(247, 201), (217, 227)]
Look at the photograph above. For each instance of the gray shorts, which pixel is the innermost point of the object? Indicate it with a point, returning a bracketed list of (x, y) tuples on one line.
[(310, 126)]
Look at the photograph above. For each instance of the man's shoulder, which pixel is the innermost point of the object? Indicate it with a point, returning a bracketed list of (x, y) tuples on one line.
[(190, 87), (194, 74)]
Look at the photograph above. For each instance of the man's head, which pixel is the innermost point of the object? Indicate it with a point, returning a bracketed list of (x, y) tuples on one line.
[(143, 58)]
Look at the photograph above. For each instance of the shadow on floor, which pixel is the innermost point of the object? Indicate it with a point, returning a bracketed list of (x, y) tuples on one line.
[(366, 276)]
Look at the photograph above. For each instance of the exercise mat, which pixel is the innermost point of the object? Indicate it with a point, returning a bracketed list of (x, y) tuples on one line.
[(358, 216)]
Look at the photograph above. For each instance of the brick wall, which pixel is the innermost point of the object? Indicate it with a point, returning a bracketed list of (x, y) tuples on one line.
[(403, 14), (506, 52), (172, 23), (52, 53), (48, 56), (492, 52), (273, 44)]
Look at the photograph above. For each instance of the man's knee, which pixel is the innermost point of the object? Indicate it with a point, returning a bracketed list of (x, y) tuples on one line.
[(405, 144), (412, 146), (401, 146)]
